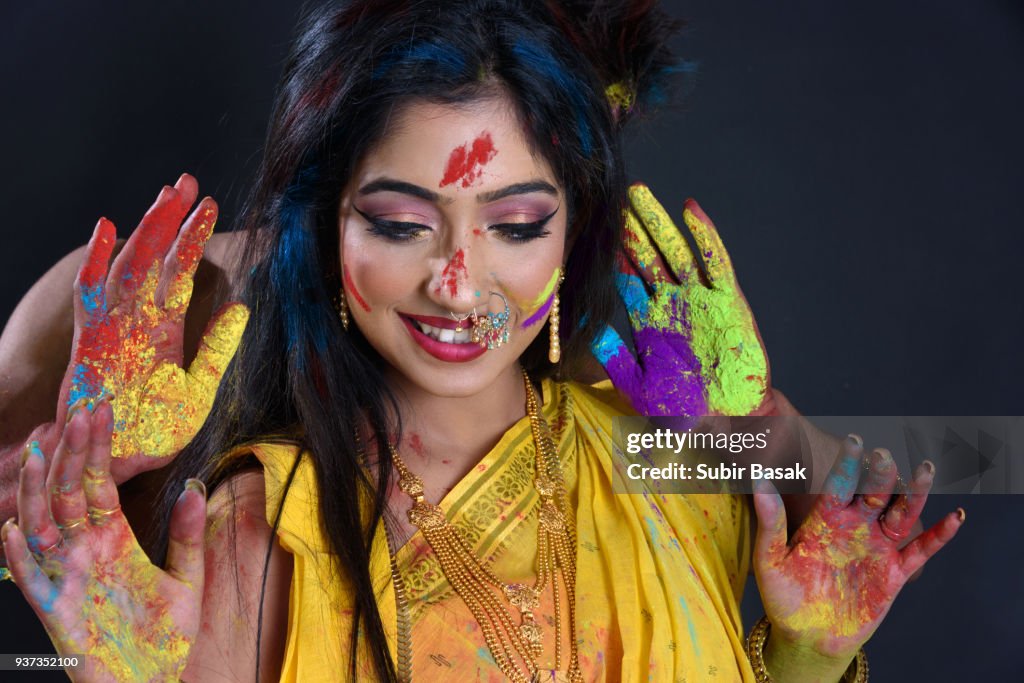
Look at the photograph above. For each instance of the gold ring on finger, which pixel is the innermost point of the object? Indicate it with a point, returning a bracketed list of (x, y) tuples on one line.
[(99, 516), (896, 536), (56, 545), (73, 524)]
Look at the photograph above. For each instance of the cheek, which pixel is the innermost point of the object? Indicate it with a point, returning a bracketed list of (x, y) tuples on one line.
[(374, 279)]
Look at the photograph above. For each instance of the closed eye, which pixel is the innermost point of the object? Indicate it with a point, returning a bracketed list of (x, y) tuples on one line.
[(524, 232), (394, 231)]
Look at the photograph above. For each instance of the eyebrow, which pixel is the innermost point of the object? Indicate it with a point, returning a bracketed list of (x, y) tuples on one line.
[(402, 187)]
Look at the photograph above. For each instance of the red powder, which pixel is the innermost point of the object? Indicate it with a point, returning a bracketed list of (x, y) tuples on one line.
[(455, 269), (355, 292), (478, 232), (417, 446), (466, 162), (94, 271)]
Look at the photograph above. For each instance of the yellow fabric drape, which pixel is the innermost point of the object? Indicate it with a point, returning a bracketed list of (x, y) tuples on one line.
[(658, 576)]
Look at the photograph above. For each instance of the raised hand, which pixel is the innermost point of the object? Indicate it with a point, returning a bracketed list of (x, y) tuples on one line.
[(84, 574), (827, 590), (129, 329), (698, 350)]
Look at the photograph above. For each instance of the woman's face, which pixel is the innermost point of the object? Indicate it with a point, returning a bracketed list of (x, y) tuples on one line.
[(448, 212)]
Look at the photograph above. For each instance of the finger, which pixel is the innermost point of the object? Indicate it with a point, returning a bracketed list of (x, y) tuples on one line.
[(642, 252), (90, 300), (35, 585), (41, 533), (663, 231), (218, 346), (64, 481), (101, 495), (138, 264), (716, 258), (185, 549), (633, 292), (613, 354), (188, 189), (770, 544), (930, 542), (878, 486), (841, 483), (180, 265), (90, 306), (902, 515)]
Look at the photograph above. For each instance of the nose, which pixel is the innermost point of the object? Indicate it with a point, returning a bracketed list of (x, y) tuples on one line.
[(459, 281)]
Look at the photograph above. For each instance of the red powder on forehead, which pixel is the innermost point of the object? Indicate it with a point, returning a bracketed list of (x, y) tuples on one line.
[(455, 269), (351, 287), (466, 162)]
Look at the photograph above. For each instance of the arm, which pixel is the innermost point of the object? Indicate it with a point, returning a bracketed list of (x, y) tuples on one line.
[(237, 536)]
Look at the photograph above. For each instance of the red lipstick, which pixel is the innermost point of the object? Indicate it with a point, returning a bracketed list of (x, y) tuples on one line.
[(450, 353)]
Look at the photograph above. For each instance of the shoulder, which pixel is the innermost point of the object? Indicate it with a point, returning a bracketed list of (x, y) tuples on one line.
[(240, 549), (223, 249)]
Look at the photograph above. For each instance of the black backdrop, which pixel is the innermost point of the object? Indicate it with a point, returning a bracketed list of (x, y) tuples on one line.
[(861, 160)]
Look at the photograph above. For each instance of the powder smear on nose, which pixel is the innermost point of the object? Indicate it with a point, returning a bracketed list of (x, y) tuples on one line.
[(466, 162), (454, 269)]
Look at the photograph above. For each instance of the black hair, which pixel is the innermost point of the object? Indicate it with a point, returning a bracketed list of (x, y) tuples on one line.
[(297, 376)]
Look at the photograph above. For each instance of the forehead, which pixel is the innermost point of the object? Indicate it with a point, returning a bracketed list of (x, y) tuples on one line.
[(452, 148)]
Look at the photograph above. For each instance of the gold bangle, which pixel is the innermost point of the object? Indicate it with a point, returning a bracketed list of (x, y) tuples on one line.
[(857, 672)]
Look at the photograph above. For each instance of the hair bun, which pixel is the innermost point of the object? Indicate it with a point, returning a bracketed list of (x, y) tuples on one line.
[(626, 41)]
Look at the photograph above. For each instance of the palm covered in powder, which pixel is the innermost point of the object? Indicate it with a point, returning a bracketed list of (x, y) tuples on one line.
[(78, 564), (129, 329), (698, 350), (827, 588)]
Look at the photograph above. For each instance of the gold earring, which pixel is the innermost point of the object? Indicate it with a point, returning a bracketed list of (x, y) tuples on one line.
[(555, 347), (342, 307)]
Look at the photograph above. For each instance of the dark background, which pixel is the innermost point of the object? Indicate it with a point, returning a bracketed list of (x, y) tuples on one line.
[(862, 161)]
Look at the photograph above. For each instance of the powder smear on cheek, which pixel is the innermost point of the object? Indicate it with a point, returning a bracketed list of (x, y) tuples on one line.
[(542, 304), (351, 287), (465, 164)]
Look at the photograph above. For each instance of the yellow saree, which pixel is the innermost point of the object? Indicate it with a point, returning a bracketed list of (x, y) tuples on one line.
[(658, 576)]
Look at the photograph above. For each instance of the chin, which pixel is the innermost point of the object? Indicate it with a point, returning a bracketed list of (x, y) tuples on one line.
[(454, 380)]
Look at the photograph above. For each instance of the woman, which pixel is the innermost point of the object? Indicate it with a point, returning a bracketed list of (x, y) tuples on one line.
[(444, 175)]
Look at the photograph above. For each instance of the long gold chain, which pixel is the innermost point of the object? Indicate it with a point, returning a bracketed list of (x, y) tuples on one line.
[(514, 647)]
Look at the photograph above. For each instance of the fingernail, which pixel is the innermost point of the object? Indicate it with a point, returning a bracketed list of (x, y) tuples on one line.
[(4, 528), (75, 407), (929, 466), (961, 514), (881, 460), (104, 397), (855, 440), (31, 448), (197, 486)]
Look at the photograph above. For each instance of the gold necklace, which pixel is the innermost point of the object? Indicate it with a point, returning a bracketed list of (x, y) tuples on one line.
[(515, 648)]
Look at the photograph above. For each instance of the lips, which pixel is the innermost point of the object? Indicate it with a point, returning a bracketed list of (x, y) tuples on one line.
[(437, 336)]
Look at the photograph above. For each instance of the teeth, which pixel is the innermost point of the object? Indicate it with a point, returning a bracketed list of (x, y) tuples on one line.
[(446, 336)]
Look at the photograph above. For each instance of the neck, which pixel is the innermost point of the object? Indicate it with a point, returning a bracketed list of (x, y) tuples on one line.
[(449, 435)]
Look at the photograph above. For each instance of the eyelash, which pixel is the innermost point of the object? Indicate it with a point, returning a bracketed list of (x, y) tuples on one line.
[(404, 231)]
